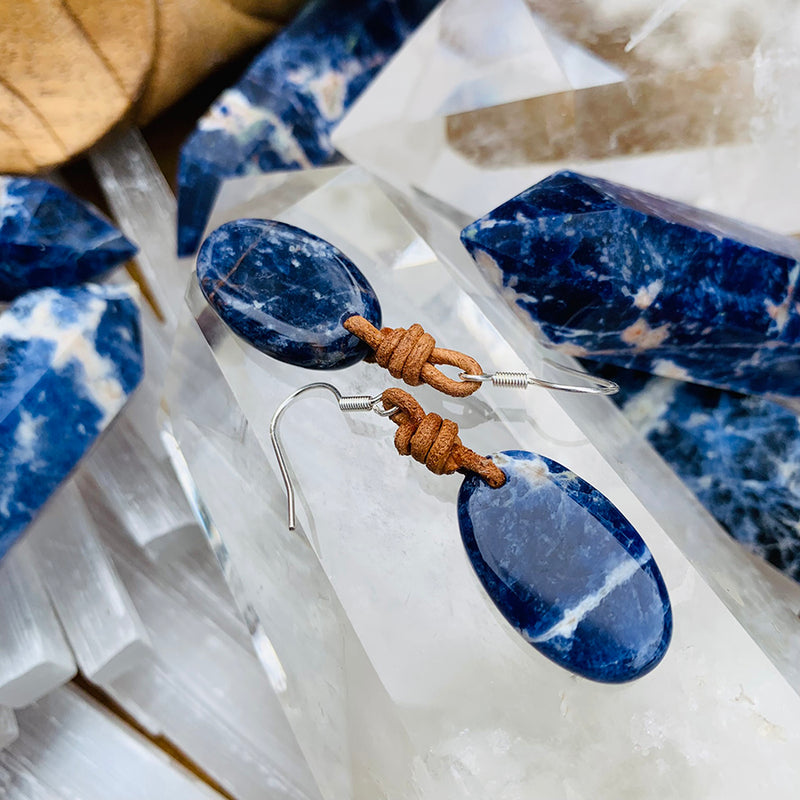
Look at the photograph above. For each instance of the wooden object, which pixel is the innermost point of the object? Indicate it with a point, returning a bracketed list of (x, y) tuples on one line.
[(70, 70)]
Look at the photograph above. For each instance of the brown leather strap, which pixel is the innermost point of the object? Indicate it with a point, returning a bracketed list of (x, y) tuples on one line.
[(411, 355), (434, 441)]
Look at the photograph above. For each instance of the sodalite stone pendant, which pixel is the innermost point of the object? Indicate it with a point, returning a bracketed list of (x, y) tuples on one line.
[(286, 292), (48, 237), (566, 569), (624, 277), (69, 359), (281, 113)]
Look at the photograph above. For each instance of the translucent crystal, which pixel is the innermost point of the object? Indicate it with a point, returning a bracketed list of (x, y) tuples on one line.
[(8, 727), (141, 488), (104, 630), (383, 569), (145, 209), (202, 686), (69, 746), (34, 656), (711, 121)]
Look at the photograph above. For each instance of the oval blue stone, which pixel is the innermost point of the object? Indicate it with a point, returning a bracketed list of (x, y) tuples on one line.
[(566, 569), (286, 292)]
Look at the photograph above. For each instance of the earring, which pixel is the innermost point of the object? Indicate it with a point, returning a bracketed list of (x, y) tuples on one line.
[(561, 564), (299, 299)]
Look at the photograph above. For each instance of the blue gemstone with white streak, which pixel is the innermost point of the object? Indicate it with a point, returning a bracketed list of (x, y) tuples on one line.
[(281, 113), (643, 282), (286, 292), (566, 569), (69, 359), (48, 237)]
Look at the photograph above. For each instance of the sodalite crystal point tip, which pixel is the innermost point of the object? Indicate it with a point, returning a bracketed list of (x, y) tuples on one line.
[(566, 569), (286, 292), (48, 237), (621, 276), (69, 359), (280, 115)]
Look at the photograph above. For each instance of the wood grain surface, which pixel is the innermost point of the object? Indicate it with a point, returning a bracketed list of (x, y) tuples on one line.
[(70, 70)]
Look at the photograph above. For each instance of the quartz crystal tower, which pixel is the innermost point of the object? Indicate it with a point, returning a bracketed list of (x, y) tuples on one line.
[(370, 618)]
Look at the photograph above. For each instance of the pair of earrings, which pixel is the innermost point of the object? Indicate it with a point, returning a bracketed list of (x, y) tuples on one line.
[(558, 560)]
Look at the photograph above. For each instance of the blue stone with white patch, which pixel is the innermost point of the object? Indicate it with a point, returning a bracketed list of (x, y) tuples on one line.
[(566, 569), (286, 292), (639, 281), (48, 237), (740, 454), (69, 359), (281, 113)]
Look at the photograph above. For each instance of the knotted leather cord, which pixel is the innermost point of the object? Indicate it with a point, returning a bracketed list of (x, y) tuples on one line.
[(433, 441), (412, 355)]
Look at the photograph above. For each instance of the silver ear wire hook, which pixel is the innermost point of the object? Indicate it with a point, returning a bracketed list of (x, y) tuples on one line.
[(346, 403), (521, 380)]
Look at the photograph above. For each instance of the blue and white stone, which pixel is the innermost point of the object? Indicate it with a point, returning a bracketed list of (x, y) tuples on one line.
[(624, 277), (566, 569), (48, 237), (286, 292), (69, 359), (280, 115), (739, 454)]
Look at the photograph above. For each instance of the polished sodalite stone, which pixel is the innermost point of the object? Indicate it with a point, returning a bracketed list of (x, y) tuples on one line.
[(566, 569), (739, 454), (281, 113), (624, 277), (69, 359), (49, 237), (286, 292)]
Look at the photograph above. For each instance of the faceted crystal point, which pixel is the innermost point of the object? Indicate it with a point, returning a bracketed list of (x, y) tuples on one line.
[(50, 238), (281, 113), (566, 569), (286, 292), (69, 359), (625, 277)]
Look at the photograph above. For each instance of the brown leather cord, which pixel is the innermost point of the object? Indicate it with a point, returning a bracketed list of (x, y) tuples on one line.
[(434, 441), (412, 355)]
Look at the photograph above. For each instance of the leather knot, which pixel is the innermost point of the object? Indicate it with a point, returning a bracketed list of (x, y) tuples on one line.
[(434, 441), (411, 356)]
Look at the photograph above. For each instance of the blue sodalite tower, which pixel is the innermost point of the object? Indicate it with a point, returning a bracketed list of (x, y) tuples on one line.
[(48, 237), (624, 277), (69, 360), (280, 115)]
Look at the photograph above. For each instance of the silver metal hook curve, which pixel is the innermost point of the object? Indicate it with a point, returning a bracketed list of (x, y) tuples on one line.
[(277, 445), (520, 380), (372, 403)]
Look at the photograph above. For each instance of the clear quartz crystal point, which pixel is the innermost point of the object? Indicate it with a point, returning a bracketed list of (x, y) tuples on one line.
[(371, 610), (98, 616), (145, 208), (702, 107), (201, 686), (34, 656), (142, 490)]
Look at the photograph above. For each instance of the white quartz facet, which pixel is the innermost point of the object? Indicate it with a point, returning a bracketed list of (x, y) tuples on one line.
[(104, 630), (70, 748), (8, 727), (201, 685), (34, 656), (145, 209)]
